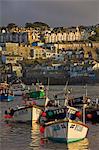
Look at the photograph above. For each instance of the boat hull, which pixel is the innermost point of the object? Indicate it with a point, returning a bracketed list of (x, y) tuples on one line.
[(6, 98), (18, 93), (40, 102), (36, 94), (22, 115), (92, 115), (66, 132), (36, 112)]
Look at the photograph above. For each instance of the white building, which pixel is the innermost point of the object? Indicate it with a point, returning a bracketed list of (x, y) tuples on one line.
[(96, 66), (69, 35)]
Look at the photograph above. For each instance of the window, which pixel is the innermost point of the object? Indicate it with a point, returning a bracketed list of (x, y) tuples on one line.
[(32, 53)]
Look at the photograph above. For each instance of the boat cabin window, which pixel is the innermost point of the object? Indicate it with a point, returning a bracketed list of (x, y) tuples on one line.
[(73, 114), (41, 88)]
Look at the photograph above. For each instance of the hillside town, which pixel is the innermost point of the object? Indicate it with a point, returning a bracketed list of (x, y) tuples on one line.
[(38, 51)]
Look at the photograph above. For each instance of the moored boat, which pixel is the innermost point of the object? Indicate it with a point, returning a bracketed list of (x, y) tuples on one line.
[(63, 125), (36, 96), (21, 114), (65, 131), (19, 89), (6, 95), (92, 110), (38, 93)]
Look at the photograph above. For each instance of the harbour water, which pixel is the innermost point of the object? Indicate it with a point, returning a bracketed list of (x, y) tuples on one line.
[(24, 137)]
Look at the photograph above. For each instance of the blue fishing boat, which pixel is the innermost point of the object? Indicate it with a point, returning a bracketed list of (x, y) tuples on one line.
[(5, 93), (7, 98)]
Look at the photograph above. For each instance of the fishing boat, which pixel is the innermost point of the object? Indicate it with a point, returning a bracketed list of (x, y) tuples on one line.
[(36, 96), (65, 131), (92, 106), (31, 109), (22, 114), (91, 112), (37, 109), (32, 101), (5, 93), (63, 125), (36, 112), (37, 93), (19, 89), (92, 115), (18, 92)]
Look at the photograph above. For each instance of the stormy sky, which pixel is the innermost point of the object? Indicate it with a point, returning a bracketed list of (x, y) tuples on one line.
[(52, 12)]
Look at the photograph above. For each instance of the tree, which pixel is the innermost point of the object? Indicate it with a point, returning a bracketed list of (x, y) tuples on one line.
[(97, 31), (40, 24), (96, 36), (11, 25), (29, 25), (37, 25)]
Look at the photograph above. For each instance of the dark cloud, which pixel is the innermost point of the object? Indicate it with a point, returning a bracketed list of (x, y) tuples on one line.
[(55, 13)]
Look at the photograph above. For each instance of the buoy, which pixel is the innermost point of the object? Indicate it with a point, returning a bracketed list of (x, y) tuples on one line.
[(43, 114), (41, 141), (78, 114), (42, 129), (34, 103), (7, 116), (89, 116)]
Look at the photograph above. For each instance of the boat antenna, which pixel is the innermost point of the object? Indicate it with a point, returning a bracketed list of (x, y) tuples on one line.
[(84, 110), (47, 90), (46, 96), (65, 88), (86, 94), (66, 94)]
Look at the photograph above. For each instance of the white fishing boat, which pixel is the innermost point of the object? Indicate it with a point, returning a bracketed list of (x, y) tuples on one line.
[(19, 89), (18, 92), (23, 114), (65, 131), (63, 125)]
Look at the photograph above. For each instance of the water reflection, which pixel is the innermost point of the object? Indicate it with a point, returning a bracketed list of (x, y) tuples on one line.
[(35, 137), (14, 136), (38, 143), (82, 145)]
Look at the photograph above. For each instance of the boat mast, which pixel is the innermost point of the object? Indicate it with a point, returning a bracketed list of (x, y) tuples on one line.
[(46, 94), (86, 94), (66, 94), (84, 105), (84, 109)]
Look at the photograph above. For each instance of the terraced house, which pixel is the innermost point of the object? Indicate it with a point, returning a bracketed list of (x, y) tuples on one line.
[(70, 34)]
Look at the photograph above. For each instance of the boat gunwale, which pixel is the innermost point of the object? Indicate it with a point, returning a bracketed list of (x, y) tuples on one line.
[(66, 120)]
